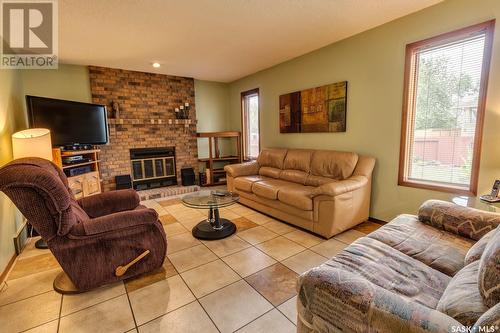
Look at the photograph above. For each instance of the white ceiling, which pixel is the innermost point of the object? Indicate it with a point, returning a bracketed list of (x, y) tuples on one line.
[(218, 40)]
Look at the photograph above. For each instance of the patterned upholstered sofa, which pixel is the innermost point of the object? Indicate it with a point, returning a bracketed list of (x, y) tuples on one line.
[(435, 272)]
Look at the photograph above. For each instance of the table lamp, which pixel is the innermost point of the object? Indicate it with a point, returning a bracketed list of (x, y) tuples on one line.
[(33, 142)]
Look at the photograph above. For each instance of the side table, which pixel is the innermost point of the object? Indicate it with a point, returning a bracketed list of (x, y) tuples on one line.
[(475, 202)]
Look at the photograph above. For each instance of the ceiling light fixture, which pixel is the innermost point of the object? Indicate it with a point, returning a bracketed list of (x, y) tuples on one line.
[(156, 64)]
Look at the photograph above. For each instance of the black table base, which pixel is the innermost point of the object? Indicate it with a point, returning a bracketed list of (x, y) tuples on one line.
[(214, 227), (41, 244)]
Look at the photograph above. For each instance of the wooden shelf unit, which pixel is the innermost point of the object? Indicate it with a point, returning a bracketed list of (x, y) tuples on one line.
[(69, 166), (85, 184), (214, 154), (226, 158)]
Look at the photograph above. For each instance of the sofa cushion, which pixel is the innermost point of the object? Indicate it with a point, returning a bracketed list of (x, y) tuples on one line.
[(297, 195), (298, 159), (439, 249), (489, 271), (463, 221), (476, 251), (272, 157), (300, 217), (333, 301), (313, 180), (269, 188), (333, 164), (461, 299), (270, 172), (295, 176), (245, 183), (392, 270)]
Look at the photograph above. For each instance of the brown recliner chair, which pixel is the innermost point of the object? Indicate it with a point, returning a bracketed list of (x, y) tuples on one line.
[(97, 240)]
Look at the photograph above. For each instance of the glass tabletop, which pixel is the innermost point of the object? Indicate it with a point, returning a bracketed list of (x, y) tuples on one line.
[(210, 199), (477, 203)]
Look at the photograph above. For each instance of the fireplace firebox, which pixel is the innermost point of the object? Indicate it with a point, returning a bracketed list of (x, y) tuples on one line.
[(153, 167)]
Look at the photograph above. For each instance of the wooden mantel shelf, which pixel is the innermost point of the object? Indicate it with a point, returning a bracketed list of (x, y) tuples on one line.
[(153, 121)]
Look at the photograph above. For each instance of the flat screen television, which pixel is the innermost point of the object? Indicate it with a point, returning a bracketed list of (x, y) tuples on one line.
[(69, 122)]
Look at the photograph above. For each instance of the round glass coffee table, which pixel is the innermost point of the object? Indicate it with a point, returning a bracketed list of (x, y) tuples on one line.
[(214, 227)]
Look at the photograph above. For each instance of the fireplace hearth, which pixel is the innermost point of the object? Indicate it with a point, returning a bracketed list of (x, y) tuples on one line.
[(153, 167)]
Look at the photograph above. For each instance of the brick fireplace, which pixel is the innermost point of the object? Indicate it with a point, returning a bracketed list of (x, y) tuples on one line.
[(145, 119)]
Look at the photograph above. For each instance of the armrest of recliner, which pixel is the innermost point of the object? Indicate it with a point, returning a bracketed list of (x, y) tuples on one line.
[(331, 299), (340, 187), (120, 220), (109, 202), (242, 169)]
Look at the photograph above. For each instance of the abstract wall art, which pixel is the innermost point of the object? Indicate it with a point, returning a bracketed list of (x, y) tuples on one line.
[(321, 109)]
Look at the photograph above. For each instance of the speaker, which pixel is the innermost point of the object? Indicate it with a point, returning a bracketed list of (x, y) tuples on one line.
[(123, 182), (187, 176), (202, 178), (77, 147)]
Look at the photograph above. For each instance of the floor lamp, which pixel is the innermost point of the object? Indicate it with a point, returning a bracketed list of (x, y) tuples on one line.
[(33, 142)]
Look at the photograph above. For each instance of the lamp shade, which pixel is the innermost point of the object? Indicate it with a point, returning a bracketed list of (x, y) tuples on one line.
[(33, 142)]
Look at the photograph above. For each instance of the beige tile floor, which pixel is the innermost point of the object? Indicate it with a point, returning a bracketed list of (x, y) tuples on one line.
[(244, 283)]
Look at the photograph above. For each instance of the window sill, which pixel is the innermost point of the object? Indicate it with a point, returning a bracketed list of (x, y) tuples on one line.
[(438, 188)]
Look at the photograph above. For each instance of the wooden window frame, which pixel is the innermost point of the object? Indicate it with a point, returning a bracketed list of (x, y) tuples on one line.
[(409, 92), (243, 122)]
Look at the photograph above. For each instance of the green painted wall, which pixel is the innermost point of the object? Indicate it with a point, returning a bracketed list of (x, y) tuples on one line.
[(212, 105), (373, 63), (68, 82), (212, 110), (11, 120)]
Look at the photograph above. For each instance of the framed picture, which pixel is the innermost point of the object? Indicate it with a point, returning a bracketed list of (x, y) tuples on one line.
[(320, 109)]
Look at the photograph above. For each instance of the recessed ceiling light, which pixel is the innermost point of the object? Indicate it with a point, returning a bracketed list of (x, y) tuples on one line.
[(156, 65)]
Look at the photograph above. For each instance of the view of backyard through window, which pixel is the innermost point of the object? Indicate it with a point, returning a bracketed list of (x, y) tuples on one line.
[(447, 82)]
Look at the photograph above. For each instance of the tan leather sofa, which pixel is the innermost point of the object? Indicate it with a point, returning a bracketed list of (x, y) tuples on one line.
[(323, 191)]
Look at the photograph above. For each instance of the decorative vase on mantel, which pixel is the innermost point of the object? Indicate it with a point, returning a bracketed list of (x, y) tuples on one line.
[(116, 110), (182, 112)]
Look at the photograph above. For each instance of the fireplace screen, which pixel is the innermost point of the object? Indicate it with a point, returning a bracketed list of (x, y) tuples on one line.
[(153, 167)]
